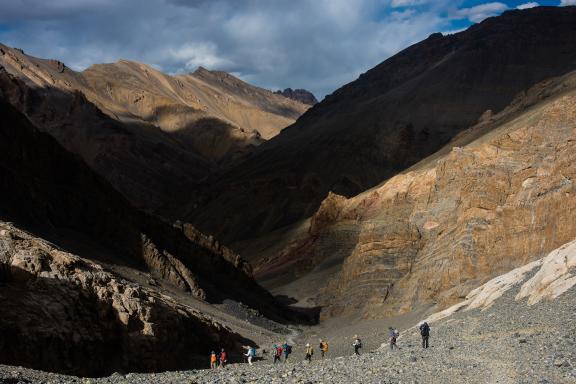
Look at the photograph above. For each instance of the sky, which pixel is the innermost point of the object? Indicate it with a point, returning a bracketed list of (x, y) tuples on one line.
[(318, 45)]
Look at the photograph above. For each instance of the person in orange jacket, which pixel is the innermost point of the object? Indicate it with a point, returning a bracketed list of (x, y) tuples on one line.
[(213, 360)]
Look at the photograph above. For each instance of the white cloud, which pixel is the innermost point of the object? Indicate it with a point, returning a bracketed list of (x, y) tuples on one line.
[(54, 9), (318, 45), (480, 12), (194, 55), (453, 31), (407, 3), (531, 4), (564, 3)]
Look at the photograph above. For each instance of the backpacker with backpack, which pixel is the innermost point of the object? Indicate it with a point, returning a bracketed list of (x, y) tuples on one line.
[(425, 329)]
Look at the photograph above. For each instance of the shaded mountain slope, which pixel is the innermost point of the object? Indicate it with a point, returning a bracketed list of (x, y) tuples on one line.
[(397, 113), (56, 196), (45, 186)]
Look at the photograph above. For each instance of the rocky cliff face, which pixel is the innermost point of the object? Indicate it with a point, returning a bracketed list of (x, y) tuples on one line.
[(63, 313), (56, 195), (499, 196), (300, 95), (399, 112), (153, 136)]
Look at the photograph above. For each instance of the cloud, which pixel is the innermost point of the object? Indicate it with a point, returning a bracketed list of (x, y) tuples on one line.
[(453, 31), (22, 10), (194, 55), (319, 45), (480, 12), (407, 3), (564, 3), (531, 4)]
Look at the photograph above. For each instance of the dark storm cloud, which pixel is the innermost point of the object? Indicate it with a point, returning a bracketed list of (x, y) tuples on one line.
[(314, 44)]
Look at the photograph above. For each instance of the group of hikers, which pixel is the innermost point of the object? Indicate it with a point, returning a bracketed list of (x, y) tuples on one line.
[(218, 360), (393, 335), (285, 349), (280, 350)]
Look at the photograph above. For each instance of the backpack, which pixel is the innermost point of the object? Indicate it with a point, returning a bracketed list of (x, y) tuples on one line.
[(425, 330), (288, 349), (396, 333), (252, 352)]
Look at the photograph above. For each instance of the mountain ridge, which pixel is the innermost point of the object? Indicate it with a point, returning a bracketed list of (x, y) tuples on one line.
[(387, 120), (153, 136)]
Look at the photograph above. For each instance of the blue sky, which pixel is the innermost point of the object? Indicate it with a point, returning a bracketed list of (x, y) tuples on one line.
[(314, 44)]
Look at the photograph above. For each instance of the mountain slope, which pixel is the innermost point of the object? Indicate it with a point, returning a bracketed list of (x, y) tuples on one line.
[(397, 113), (56, 196), (154, 137), (499, 196)]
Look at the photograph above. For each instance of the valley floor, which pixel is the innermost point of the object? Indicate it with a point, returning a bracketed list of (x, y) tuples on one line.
[(509, 342)]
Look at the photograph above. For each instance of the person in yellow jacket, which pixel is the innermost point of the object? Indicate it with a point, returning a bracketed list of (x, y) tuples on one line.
[(323, 347)]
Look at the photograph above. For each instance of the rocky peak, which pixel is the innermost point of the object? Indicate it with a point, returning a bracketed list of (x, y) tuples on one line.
[(300, 95)]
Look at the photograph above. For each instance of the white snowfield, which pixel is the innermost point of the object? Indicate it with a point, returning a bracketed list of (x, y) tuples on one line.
[(554, 277)]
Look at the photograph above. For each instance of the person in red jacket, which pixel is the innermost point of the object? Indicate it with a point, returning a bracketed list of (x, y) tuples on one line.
[(223, 358), (278, 353)]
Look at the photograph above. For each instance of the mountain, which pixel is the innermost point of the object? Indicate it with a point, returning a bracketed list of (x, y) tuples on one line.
[(391, 117), (300, 95), (500, 195), (154, 137), (93, 285)]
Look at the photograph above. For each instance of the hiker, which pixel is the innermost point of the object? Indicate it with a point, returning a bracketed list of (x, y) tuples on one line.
[(323, 348), (250, 354), (309, 353), (213, 360), (277, 353), (425, 332), (393, 336), (357, 344), (223, 358), (287, 350)]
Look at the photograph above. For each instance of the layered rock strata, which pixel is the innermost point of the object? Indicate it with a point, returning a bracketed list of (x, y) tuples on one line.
[(501, 195)]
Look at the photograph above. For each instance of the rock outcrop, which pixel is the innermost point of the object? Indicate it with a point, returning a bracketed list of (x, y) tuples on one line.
[(394, 115), (300, 95), (499, 196), (63, 313), (554, 276)]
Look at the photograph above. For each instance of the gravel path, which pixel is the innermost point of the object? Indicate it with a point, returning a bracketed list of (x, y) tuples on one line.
[(507, 343)]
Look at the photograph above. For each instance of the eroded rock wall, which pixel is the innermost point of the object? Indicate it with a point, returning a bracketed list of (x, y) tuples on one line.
[(67, 314)]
